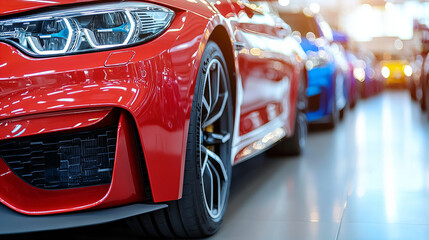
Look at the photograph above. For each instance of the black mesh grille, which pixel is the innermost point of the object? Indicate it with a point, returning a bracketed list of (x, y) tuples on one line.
[(58, 161)]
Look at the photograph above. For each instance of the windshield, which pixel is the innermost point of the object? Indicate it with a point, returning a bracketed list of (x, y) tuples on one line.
[(301, 23)]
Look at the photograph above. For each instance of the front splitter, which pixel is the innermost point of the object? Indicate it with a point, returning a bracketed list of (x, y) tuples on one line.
[(13, 222)]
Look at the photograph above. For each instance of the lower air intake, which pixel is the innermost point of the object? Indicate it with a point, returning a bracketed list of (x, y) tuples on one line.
[(61, 161), (314, 103)]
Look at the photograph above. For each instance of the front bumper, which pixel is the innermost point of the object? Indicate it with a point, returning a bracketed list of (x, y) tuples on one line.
[(396, 81), (320, 92), (153, 89), (27, 180)]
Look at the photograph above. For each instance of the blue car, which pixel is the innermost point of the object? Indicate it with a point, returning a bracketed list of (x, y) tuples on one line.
[(328, 82)]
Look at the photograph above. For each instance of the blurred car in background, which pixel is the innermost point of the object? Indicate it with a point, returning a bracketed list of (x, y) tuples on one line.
[(378, 77), (413, 82), (327, 72), (424, 84), (345, 71), (371, 83), (421, 82), (395, 72), (359, 74), (353, 75)]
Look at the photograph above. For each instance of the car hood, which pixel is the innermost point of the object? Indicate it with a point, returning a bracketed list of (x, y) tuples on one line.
[(18, 6), (8, 7)]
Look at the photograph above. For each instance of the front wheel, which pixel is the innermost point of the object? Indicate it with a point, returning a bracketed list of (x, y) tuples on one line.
[(200, 211), (423, 105), (334, 116)]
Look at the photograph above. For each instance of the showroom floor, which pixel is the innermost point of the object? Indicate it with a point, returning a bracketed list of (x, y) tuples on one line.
[(367, 179)]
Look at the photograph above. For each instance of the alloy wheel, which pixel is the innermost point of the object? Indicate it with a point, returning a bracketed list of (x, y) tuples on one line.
[(215, 137)]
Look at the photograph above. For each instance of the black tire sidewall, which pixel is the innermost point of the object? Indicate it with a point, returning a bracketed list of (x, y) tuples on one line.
[(192, 180), (334, 117), (301, 115)]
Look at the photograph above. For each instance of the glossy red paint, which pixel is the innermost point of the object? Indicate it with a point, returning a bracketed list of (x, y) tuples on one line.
[(154, 87), (24, 198), (119, 58), (51, 122), (127, 182), (12, 7), (154, 76), (203, 8)]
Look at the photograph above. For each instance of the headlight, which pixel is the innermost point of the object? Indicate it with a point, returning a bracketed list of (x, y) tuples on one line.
[(81, 29), (359, 74), (408, 70), (385, 71), (318, 59)]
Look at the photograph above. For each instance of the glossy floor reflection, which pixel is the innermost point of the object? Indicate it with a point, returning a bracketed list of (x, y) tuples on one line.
[(367, 179)]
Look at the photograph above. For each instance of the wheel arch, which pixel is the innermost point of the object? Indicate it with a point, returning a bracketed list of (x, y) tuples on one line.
[(221, 37), (216, 30)]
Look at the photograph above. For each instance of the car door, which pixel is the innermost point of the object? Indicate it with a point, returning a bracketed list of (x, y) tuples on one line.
[(267, 64)]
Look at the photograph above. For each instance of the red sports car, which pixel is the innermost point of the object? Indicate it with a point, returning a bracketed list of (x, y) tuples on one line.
[(139, 109)]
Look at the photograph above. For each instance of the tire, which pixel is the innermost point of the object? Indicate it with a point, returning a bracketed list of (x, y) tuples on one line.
[(424, 94), (343, 111), (295, 145), (334, 116), (353, 103), (363, 91), (354, 99), (207, 178)]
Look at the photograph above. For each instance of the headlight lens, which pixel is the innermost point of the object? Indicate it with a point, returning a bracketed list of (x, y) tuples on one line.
[(385, 71), (359, 74), (408, 70), (82, 29)]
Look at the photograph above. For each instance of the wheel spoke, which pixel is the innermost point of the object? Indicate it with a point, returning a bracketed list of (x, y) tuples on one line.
[(216, 162), (217, 92), (216, 111), (206, 106), (204, 163), (206, 174), (207, 96), (218, 186), (216, 83), (214, 175), (211, 188), (216, 138)]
